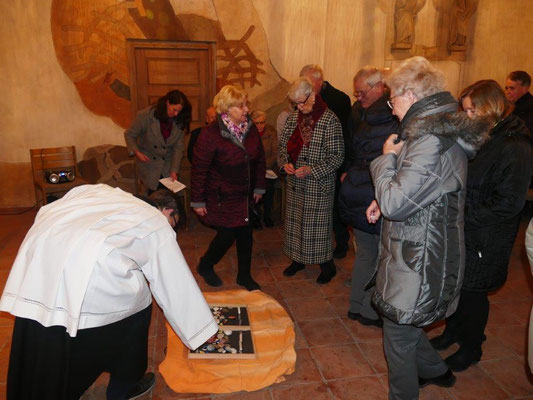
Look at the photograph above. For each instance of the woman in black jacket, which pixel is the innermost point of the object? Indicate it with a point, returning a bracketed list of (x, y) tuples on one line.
[(497, 183)]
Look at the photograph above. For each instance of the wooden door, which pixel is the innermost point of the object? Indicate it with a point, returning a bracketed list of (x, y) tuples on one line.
[(156, 67)]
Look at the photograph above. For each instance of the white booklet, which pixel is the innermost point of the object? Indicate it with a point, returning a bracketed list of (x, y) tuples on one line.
[(270, 174), (175, 186)]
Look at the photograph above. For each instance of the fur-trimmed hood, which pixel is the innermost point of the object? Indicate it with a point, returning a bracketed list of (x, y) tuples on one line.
[(469, 133)]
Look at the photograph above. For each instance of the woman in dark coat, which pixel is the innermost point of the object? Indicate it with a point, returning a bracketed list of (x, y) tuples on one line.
[(228, 176), (156, 138), (311, 149), (497, 183)]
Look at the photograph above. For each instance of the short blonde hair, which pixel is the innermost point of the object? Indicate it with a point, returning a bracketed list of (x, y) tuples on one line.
[(229, 96), (417, 75), (300, 87), (489, 99)]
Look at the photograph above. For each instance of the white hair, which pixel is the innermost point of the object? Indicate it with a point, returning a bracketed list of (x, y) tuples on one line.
[(417, 75), (301, 87), (312, 71)]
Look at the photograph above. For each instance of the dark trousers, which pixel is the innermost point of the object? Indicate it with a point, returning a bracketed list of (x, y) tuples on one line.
[(469, 321), (409, 356), (364, 267), (48, 364), (225, 237), (268, 199), (340, 229)]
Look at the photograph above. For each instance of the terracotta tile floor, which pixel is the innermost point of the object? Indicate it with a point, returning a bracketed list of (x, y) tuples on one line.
[(337, 358)]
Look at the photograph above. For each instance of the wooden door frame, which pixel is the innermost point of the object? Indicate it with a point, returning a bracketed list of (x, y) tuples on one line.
[(133, 44)]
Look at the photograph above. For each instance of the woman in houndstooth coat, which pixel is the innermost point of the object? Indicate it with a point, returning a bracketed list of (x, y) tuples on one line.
[(311, 149)]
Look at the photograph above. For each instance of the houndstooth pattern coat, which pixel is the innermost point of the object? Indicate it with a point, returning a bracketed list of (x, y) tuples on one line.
[(309, 202)]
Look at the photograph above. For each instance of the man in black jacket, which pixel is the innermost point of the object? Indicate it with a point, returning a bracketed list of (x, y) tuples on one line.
[(371, 122), (517, 92), (338, 102)]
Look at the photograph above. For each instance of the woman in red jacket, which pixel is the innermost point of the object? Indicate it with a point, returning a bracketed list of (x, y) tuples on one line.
[(228, 176)]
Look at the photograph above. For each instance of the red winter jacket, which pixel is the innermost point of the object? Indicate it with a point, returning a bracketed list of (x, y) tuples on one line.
[(226, 174)]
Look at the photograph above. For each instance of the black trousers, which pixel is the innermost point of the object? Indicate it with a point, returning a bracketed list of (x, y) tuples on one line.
[(469, 321), (340, 229), (268, 199), (225, 237), (48, 364)]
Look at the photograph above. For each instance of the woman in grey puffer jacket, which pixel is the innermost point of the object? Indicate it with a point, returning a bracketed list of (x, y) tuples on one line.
[(420, 189)]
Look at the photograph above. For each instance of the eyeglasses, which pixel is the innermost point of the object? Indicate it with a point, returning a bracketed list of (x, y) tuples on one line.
[(389, 102), (363, 93), (295, 104)]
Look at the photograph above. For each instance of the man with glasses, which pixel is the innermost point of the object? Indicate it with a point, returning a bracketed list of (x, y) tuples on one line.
[(371, 122), (338, 102)]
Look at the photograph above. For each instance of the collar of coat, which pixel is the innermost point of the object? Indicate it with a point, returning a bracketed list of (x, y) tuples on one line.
[(379, 112), (226, 134), (437, 115)]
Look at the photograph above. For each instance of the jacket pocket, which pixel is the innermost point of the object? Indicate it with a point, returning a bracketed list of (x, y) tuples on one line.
[(399, 282)]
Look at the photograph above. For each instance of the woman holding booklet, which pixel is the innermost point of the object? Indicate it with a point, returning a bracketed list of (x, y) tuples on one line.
[(156, 139)]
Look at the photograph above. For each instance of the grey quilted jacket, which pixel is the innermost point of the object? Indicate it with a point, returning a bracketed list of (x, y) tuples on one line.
[(421, 193)]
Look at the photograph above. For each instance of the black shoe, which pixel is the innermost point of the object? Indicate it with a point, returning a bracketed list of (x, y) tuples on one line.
[(442, 342), (210, 277), (445, 380), (292, 269), (249, 284), (340, 252), (142, 387), (329, 270), (268, 222), (326, 276), (365, 321), (463, 359)]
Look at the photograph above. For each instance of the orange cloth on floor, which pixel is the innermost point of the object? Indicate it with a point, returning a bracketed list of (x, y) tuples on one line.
[(273, 337)]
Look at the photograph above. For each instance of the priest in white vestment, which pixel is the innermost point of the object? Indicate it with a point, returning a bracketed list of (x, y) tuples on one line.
[(81, 289)]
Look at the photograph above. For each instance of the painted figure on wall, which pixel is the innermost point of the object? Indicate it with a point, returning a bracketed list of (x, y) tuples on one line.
[(90, 44), (405, 12), (461, 12)]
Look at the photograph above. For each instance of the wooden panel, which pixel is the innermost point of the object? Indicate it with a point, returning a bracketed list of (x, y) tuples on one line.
[(173, 72)]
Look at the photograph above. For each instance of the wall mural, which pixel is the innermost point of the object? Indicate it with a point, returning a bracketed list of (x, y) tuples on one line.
[(90, 45)]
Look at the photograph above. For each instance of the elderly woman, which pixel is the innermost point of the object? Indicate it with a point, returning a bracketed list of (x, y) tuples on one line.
[(496, 188), (420, 189), (269, 138), (156, 138), (228, 177), (311, 149)]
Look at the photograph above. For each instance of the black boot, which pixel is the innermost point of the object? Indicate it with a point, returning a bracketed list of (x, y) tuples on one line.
[(248, 282), (442, 342), (244, 276), (209, 275), (463, 358), (445, 380), (328, 272), (292, 269)]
